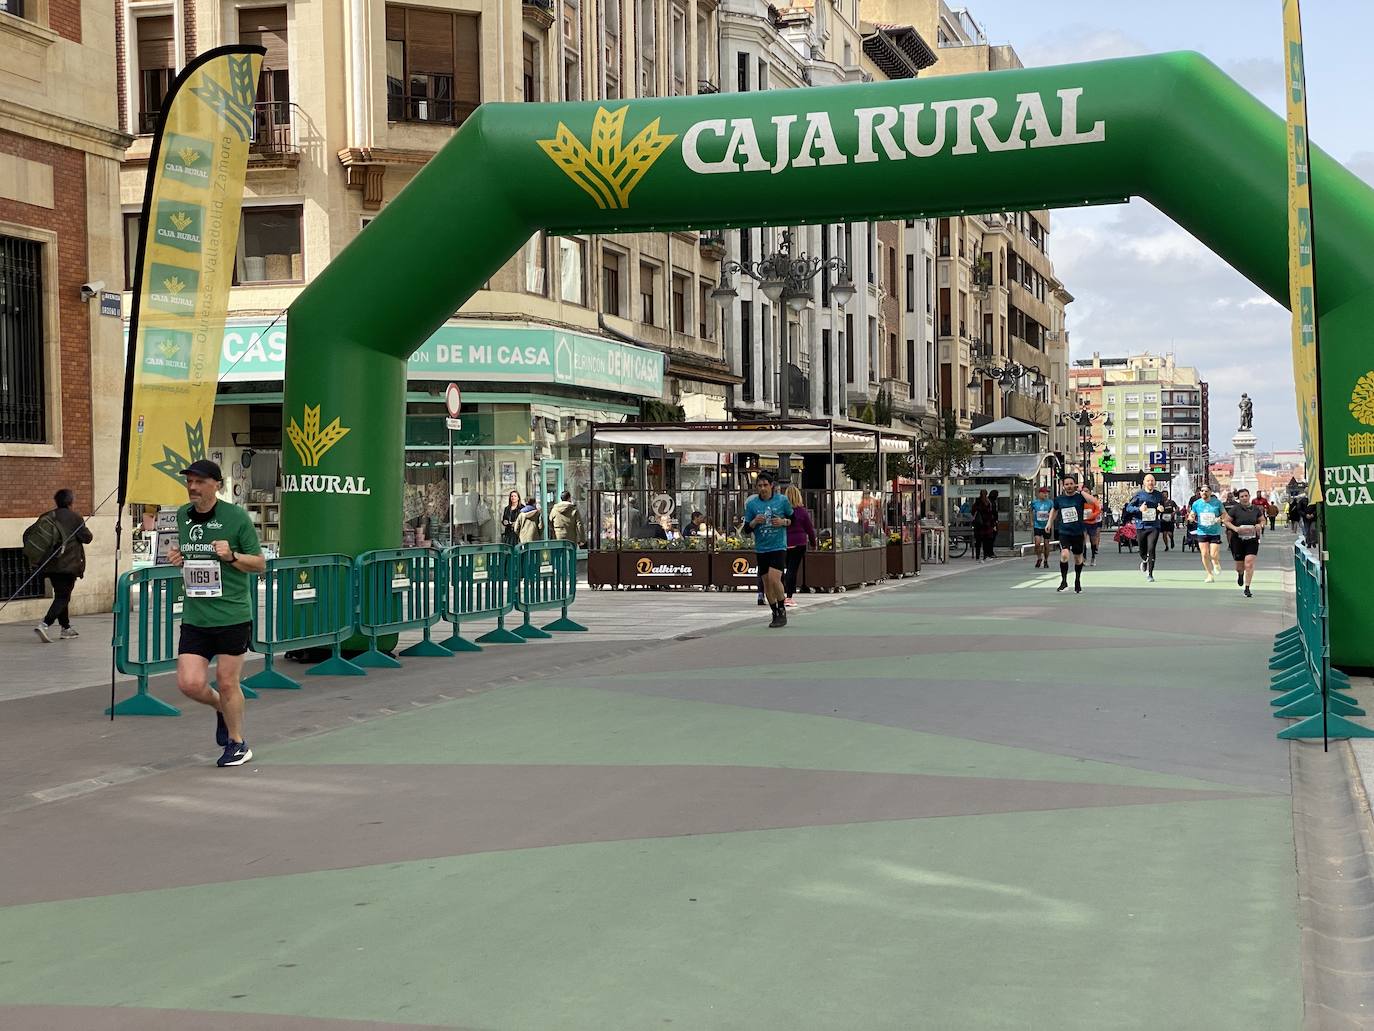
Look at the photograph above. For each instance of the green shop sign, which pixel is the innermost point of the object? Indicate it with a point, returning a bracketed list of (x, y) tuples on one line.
[(476, 354)]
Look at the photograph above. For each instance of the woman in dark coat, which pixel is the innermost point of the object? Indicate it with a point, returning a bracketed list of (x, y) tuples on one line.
[(508, 516)]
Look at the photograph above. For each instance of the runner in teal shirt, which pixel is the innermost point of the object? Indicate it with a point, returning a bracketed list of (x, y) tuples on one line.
[(1205, 518), (767, 515), (1040, 517)]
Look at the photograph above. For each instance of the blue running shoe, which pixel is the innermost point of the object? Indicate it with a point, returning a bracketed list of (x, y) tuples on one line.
[(221, 730), (236, 753)]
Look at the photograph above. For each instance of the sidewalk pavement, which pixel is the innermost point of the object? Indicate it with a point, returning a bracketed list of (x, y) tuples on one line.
[(969, 802)]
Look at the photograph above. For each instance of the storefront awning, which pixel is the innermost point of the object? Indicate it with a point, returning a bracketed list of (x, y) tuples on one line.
[(792, 440), (1004, 467)]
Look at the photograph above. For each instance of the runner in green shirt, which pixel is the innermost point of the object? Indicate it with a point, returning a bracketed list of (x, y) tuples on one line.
[(217, 548)]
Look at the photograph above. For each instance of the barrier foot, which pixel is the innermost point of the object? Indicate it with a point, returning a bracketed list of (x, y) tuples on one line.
[(1312, 706), (500, 636), (1287, 660), (336, 666), (143, 704), (1339, 679), (530, 632), (565, 624), (1287, 636), (428, 649), (373, 659), (1290, 678), (1336, 727), (1289, 697), (268, 678), (457, 643)]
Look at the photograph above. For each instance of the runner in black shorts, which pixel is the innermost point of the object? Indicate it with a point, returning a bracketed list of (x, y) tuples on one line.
[(1246, 523), (217, 547), (1067, 518)]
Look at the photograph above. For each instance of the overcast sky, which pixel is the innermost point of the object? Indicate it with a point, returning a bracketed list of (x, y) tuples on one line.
[(1140, 282)]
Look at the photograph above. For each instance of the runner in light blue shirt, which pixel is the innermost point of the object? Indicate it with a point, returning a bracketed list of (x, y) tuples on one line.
[(1205, 518), (1040, 518)]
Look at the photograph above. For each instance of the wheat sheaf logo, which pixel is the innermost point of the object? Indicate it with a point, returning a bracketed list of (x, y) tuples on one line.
[(607, 170), (173, 285), (180, 220), (169, 348), (1362, 399), (311, 442), (188, 155), (303, 576)]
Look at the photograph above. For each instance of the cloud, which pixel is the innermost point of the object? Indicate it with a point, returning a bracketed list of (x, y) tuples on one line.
[(1362, 164), (1142, 283), (1075, 43), (1262, 76)]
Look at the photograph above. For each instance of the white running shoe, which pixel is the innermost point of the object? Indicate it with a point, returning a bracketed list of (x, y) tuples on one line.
[(1210, 579), (42, 631)]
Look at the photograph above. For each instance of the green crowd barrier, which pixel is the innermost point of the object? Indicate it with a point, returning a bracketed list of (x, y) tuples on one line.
[(146, 644), (396, 593), (476, 582), (545, 578), (307, 601), (1302, 662)]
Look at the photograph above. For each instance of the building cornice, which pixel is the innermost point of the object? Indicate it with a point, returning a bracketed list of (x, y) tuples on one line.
[(63, 131)]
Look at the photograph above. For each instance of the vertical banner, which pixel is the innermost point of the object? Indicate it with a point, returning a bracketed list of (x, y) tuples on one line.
[(1302, 289), (191, 209)]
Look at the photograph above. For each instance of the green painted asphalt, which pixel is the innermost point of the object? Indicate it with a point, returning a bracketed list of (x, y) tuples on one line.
[(583, 725), (1175, 915), (1144, 917)]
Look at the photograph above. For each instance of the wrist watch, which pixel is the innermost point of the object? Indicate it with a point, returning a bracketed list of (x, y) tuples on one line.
[(233, 557)]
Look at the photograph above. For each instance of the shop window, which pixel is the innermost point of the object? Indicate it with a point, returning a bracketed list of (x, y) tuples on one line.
[(270, 246), (23, 402), (433, 65), (648, 290), (156, 68), (572, 280)]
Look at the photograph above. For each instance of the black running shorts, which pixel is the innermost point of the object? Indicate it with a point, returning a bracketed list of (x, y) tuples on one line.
[(1242, 546), (771, 560), (1072, 544), (209, 641)]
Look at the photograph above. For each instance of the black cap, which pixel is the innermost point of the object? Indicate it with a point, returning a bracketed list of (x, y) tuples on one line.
[(204, 468)]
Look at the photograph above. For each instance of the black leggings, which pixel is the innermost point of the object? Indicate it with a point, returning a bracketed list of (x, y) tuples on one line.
[(795, 557), (62, 586), (1148, 541)]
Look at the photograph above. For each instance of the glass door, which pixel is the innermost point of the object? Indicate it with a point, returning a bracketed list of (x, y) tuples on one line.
[(550, 489)]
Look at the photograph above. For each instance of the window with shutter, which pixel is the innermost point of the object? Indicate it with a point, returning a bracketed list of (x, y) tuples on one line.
[(23, 401), (433, 65), (156, 68), (266, 26)]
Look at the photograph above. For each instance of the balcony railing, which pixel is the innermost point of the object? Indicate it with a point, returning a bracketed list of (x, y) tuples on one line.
[(274, 132)]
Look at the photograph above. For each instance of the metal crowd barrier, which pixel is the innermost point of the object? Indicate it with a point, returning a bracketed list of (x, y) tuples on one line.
[(146, 645), (475, 582), (395, 593), (1302, 662), (307, 602), (545, 578)]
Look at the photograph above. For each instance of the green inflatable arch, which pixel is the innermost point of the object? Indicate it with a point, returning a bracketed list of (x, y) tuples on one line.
[(1170, 128)]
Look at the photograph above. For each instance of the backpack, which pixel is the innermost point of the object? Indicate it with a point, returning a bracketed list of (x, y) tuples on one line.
[(43, 539)]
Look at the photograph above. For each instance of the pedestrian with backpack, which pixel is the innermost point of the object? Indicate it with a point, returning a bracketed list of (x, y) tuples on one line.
[(55, 546)]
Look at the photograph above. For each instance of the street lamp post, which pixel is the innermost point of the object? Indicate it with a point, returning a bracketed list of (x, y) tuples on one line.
[(783, 277), (1008, 376), (1084, 419)]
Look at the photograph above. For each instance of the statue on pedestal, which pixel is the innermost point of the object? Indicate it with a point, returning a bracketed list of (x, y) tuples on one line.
[(1247, 413)]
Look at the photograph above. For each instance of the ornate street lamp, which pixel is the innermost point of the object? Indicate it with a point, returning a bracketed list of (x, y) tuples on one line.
[(1084, 419), (782, 277)]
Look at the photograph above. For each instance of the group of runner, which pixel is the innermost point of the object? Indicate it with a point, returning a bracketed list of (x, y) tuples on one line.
[(1073, 519)]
